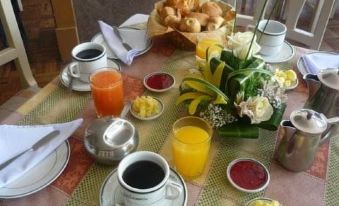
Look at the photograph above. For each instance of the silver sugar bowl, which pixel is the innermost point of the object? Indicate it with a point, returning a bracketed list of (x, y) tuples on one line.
[(108, 140)]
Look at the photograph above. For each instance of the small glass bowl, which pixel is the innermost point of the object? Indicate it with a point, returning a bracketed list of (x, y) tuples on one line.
[(263, 186), (164, 75), (151, 117)]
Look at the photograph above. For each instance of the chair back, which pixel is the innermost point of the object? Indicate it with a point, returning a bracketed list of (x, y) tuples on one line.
[(314, 36), (16, 50)]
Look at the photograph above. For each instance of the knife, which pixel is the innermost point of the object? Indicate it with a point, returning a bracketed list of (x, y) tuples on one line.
[(36, 146), (117, 32)]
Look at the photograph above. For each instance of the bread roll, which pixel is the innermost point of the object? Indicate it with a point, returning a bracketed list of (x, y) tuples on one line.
[(190, 25), (201, 17), (167, 11), (212, 9), (172, 20), (215, 23)]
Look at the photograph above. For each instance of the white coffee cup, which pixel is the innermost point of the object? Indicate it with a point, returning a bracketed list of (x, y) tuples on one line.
[(271, 38), (88, 57), (166, 188)]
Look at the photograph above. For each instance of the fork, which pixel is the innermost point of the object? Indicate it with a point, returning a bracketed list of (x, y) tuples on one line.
[(117, 32)]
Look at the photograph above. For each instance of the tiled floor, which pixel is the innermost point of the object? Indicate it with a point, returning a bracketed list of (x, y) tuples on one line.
[(43, 54)]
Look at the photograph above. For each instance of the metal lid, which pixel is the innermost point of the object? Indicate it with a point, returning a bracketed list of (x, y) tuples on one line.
[(330, 78), (309, 121), (111, 138)]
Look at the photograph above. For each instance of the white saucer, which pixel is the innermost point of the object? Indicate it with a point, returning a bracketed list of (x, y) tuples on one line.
[(300, 63), (40, 176), (79, 85), (142, 44), (286, 53), (111, 195)]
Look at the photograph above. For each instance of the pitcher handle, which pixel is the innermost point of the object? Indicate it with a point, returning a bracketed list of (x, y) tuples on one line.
[(332, 130)]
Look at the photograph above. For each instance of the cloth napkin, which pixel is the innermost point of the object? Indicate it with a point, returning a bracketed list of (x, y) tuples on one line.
[(135, 19), (115, 43), (314, 62), (16, 139)]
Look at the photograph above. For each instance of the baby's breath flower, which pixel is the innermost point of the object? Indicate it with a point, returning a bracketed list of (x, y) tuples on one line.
[(216, 116)]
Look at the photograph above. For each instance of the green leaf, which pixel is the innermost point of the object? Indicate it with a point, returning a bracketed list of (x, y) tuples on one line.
[(238, 130), (273, 123)]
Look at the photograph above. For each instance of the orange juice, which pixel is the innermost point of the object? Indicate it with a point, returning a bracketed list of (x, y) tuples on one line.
[(107, 92), (190, 148)]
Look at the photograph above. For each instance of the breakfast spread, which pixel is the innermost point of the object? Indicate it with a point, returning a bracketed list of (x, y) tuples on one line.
[(146, 106), (193, 15)]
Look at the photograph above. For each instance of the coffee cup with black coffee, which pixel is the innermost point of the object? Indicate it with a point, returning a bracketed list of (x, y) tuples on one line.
[(88, 57), (144, 179)]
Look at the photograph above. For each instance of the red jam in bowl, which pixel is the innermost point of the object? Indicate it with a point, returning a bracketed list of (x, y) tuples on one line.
[(248, 174), (159, 81)]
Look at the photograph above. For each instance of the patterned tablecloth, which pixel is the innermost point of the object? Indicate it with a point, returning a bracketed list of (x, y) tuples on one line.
[(80, 182)]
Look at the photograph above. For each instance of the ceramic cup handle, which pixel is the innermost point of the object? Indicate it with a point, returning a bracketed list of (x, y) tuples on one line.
[(173, 190), (73, 70)]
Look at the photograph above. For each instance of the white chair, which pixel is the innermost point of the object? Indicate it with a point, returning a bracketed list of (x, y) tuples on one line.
[(312, 38), (16, 50)]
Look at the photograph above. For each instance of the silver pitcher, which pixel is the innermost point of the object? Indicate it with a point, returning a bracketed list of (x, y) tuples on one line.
[(323, 92), (301, 137)]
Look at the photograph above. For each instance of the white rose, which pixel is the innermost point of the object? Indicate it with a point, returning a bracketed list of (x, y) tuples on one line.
[(258, 109), (240, 43)]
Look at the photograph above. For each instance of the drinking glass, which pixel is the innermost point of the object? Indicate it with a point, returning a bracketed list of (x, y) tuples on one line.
[(190, 145), (107, 92)]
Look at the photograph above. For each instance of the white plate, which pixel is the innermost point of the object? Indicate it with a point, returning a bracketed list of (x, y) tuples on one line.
[(151, 117), (111, 195), (286, 53), (300, 63), (39, 176), (81, 86), (142, 44)]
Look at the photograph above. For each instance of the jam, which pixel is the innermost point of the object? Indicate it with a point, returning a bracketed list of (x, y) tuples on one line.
[(160, 81), (248, 174)]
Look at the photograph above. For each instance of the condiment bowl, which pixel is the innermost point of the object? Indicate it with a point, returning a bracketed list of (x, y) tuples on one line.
[(108, 140), (134, 114), (159, 81), (235, 164)]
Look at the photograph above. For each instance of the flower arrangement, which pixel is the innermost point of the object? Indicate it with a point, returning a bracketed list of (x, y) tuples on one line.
[(235, 90)]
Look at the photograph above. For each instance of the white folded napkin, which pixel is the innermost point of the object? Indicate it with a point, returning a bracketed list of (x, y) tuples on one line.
[(314, 62), (115, 43), (135, 19), (16, 139)]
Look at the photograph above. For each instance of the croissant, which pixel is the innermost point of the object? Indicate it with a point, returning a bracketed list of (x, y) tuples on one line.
[(215, 23), (212, 9)]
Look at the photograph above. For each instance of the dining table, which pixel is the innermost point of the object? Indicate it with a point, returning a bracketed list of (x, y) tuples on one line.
[(81, 181)]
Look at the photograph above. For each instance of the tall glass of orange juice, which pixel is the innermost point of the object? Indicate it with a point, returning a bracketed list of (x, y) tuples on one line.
[(190, 145), (107, 92)]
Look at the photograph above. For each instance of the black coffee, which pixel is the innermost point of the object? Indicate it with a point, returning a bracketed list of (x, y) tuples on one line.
[(143, 174), (89, 54)]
